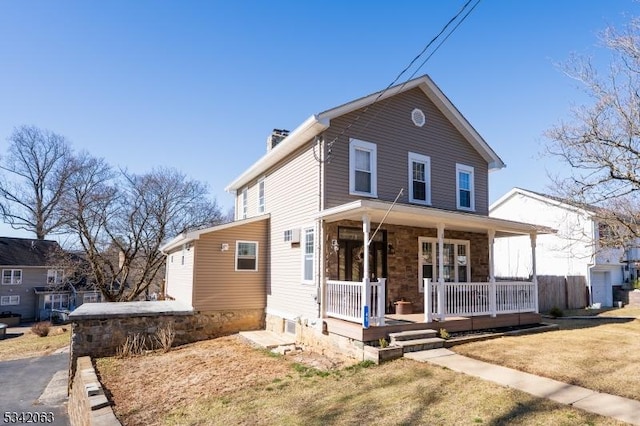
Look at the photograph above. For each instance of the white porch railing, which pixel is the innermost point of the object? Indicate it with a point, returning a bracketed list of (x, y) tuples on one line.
[(345, 301), (473, 299)]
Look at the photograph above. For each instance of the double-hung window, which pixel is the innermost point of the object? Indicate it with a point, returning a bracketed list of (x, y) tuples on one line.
[(308, 252), (11, 276), (419, 179), (56, 301), (261, 203), (464, 187), (363, 174), (246, 255), (9, 300), (245, 203), (55, 276)]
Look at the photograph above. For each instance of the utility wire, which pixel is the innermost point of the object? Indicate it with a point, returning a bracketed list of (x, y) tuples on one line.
[(433, 40)]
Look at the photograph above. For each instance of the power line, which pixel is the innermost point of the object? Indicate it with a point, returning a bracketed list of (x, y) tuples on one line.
[(413, 61)]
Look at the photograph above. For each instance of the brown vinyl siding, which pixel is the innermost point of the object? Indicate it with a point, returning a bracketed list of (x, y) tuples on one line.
[(217, 285), (388, 125), (179, 277)]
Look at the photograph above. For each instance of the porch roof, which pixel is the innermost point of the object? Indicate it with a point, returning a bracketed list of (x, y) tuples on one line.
[(429, 217)]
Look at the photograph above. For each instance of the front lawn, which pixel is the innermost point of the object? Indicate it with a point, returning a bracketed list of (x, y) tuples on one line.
[(226, 381), (597, 354), (25, 344)]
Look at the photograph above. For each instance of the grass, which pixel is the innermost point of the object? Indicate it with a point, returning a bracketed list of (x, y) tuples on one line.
[(225, 381), (27, 344), (599, 355)]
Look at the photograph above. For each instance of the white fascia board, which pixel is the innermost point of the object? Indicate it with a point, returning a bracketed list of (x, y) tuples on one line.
[(310, 128), (464, 127), (547, 200), (353, 209)]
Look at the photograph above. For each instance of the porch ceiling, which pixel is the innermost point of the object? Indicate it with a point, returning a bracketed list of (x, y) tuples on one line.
[(429, 217)]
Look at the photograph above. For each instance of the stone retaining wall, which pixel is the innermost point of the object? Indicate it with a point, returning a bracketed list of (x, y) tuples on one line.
[(88, 405)]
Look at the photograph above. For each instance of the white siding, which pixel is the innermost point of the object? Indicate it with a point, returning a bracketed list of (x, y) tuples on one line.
[(179, 277), (569, 252)]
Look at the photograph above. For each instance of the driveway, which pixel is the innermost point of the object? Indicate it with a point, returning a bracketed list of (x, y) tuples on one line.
[(35, 385)]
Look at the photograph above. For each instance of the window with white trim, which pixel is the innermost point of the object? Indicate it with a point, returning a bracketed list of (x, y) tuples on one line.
[(11, 276), (245, 204), (287, 235), (261, 203), (455, 260), (363, 175), (90, 298), (56, 301), (419, 178), (308, 255), (55, 276), (246, 255), (9, 300), (465, 197)]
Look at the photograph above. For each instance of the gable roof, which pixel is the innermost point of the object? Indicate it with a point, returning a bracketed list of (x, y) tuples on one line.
[(317, 123), (564, 203), (25, 251)]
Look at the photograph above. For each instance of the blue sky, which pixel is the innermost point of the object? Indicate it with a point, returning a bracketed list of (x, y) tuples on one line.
[(198, 85)]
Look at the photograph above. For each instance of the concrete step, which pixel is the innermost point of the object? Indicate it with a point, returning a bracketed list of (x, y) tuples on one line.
[(412, 335), (420, 344)]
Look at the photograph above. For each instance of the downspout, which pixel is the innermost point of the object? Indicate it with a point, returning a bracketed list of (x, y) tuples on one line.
[(320, 272)]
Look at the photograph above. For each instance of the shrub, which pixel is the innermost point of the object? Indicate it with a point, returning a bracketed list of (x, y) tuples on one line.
[(138, 343), (556, 312), (41, 328), (444, 334), (382, 342)]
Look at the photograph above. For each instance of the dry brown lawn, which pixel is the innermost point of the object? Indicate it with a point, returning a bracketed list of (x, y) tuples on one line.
[(26, 344), (597, 354), (226, 381)]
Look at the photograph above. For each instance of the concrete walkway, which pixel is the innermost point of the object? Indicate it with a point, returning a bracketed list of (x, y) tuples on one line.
[(626, 410)]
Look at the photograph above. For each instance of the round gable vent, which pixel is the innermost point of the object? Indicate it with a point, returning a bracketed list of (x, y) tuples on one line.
[(418, 118)]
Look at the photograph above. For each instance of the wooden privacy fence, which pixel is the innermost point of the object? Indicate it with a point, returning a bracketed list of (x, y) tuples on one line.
[(563, 292)]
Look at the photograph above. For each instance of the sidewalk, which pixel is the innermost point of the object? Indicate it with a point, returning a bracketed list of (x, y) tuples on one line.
[(626, 410)]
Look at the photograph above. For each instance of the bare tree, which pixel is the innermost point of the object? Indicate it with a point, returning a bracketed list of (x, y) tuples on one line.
[(601, 142), (34, 180), (122, 219)]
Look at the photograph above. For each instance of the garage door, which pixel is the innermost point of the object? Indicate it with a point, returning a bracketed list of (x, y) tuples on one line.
[(599, 292)]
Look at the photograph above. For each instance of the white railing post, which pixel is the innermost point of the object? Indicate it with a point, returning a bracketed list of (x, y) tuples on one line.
[(381, 307), (493, 308), (440, 300), (427, 299), (534, 279), (366, 309)]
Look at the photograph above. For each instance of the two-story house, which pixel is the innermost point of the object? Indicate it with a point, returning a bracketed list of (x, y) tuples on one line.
[(33, 287), (359, 207), (574, 250)]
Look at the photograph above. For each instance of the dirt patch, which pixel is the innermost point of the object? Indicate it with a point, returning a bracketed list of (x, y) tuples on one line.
[(143, 387)]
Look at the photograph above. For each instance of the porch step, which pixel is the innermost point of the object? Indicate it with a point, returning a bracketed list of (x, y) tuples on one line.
[(415, 345), (412, 335)]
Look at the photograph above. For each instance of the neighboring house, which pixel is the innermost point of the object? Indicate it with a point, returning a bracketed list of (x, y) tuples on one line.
[(296, 252), (574, 250), (31, 285)]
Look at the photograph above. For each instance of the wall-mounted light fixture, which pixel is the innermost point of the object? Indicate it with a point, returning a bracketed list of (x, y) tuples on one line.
[(224, 247), (390, 249)]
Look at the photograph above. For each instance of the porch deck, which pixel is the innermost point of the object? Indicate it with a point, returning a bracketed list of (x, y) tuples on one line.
[(396, 323)]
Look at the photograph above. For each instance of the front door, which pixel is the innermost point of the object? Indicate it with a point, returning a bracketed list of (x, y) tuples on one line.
[(351, 255)]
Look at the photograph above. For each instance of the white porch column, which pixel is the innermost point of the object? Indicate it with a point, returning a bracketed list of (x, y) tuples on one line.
[(441, 292), (534, 276), (492, 279), (366, 288)]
